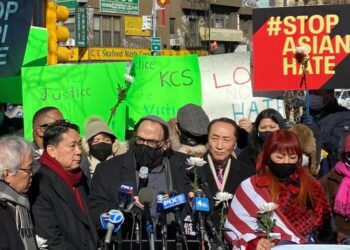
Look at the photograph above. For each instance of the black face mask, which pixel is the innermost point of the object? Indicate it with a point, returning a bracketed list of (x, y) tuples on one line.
[(263, 135), (147, 156), (282, 170), (101, 150)]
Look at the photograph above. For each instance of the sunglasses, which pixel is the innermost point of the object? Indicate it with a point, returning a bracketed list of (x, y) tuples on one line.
[(58, 122)]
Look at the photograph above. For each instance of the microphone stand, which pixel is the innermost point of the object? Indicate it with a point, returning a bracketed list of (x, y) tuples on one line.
[(178, 241), (149, 226), (119, 238), (164, 231), (202, 231)]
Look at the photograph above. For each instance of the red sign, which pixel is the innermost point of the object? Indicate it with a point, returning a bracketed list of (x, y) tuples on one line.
[(323, 31)]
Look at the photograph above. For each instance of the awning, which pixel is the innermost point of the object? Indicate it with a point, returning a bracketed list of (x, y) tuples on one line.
[(216, 34)]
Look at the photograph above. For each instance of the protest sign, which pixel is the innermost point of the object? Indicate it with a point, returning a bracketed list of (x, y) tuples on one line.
[(325, 33), (77, 90), (15, 20), (227, 88), (162, 85), (35, 55)]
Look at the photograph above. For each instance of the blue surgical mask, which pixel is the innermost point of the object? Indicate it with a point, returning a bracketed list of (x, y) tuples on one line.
[(316, 102)]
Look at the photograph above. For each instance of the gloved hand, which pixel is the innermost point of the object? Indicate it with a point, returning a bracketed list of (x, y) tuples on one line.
[(307, 119)]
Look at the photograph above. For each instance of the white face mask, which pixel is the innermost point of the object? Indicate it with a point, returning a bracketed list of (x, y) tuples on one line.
[(316, 102)]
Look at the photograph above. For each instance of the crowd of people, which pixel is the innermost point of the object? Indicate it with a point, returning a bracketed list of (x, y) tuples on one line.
[(266, 184)]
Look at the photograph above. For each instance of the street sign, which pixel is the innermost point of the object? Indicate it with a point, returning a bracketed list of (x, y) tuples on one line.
[(130, 7), (70, 4), (81, 27), (155, 45)]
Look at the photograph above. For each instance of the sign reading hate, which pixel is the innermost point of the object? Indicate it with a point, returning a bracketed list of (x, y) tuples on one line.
[(227, 88), (322, 30)]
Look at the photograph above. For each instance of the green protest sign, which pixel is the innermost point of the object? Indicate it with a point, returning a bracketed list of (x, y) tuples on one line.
[(78, 90), (162, 85)]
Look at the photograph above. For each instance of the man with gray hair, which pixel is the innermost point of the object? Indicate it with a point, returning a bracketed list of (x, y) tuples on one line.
[(16, 169)]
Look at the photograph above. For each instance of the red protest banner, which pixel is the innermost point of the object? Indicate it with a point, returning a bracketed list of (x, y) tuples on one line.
[(324, 32)]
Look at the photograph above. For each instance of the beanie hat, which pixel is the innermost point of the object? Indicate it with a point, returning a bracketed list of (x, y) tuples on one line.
[(95, 126), (154, 119), (192, 119)]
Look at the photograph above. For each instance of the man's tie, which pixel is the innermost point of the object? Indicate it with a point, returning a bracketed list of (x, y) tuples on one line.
[(220, 174)]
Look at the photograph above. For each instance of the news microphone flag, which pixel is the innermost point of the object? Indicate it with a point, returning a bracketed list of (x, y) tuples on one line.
[(174, 201), (200, 204)]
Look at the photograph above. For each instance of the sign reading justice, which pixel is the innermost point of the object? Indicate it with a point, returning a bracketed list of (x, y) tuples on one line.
[(322, 30)]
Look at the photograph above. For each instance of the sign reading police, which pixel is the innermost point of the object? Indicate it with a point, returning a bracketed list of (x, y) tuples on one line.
[(15, 19)]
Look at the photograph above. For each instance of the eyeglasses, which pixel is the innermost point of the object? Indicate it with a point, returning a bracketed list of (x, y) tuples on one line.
[(152, 143), (29, 171), (45, 125)]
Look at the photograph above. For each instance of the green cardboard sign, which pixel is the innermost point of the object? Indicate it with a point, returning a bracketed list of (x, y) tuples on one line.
[(78, 90), (162, 85)]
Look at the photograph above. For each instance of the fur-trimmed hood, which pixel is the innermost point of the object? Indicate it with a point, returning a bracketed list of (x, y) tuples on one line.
[(197, 151), (308, 145), (118, 148)]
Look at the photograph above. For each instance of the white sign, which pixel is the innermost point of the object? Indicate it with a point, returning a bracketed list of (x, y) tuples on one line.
[(227, 88)]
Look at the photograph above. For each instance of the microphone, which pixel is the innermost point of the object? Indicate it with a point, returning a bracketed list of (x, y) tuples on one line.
[(111, 221), (143, 177), (173, 203), (146, 198), (200, 204), (162, 218), (125, 195)]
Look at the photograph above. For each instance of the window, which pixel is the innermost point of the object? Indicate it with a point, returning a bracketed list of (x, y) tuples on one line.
[(221, 21), (192, 34), (107, 31), (70, 24), (172, 26), (116, 32), (97, 31)]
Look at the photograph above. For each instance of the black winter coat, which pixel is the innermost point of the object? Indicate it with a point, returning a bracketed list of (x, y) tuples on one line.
[(9, 236), (121, 169), (57, 215)]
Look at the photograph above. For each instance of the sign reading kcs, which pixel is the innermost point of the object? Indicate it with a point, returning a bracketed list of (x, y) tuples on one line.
[(163, 2)]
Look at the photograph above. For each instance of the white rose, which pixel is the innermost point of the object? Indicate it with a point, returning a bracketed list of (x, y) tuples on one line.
[(41, 242), (267, 207), (222, 197), (195, 162)]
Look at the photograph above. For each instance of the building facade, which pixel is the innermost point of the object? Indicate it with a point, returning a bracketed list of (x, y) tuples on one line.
[(218, 26)]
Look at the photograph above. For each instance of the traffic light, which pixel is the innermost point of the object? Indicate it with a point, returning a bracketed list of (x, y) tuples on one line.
[(56, 32)]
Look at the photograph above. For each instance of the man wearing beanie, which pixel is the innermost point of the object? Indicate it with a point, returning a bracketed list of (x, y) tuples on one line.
[(101, 144), (161, 171)]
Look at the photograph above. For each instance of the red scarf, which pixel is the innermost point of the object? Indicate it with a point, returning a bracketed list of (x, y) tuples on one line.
[(71, 177)]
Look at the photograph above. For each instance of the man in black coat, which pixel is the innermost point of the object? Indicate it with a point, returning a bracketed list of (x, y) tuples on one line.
[(222, 172), (58, 194), (150, 149)]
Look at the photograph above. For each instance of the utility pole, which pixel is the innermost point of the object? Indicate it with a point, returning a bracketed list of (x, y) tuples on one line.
[(154, 23)]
